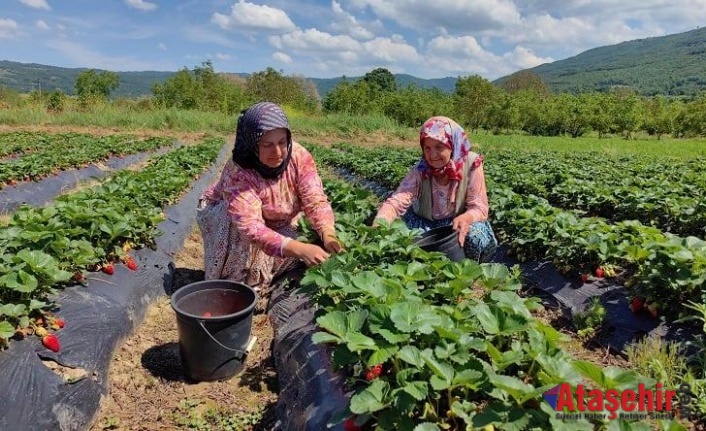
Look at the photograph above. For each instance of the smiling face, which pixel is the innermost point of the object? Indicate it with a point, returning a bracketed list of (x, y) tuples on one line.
[(272, 147), (436, 153)]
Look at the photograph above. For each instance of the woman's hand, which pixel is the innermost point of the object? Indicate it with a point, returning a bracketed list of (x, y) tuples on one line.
[(331, 243), (310, 254), (462, 224)]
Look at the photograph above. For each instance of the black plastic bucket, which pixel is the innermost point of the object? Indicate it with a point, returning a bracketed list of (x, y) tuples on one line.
[(214, 319), (443, 239)]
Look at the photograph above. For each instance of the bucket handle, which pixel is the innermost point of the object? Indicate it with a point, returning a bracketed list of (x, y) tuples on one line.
[(239, 354)]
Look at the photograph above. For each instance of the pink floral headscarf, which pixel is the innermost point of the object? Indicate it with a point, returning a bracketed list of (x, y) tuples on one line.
[(451, 134)]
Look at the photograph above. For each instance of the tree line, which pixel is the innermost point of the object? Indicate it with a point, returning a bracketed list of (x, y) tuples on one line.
[(521, 103)]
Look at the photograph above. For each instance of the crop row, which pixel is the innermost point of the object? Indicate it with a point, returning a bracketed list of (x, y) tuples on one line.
[(53, 153), (43, 249), (664, 269), (431, 344), (668, 194)]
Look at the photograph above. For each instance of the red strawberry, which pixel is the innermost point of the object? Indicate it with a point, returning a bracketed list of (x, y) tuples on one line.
[(51, 342), (636, 304), (349, 424), (108, 269), (78, 276), (59, 322), (585, 276), (373, 372), (599, 272), (131, 264)]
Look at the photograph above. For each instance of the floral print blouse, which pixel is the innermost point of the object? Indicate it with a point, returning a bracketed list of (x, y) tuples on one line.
[(443, 205), (258, 206)]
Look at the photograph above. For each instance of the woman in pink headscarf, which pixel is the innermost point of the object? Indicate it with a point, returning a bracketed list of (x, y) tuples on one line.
[(446, 187)]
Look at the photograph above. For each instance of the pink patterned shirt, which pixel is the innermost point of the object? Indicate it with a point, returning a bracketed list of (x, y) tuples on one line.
[(442, 200), (258, 206)]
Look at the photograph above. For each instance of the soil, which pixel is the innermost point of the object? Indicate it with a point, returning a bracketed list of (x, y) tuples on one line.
[(148, 389)]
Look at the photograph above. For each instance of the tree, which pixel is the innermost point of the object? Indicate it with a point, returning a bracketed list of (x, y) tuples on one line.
[(524, 80), (473, 100), (90, 84), (382, 79)]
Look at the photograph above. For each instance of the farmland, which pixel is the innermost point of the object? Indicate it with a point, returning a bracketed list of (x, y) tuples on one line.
[(457, 344)]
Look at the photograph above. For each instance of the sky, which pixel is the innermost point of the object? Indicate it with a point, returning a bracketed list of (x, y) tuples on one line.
[(330, 38)]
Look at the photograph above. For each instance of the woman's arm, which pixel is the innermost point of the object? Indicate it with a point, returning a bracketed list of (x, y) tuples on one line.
[(477, 195), (313, 199), (398, 202)]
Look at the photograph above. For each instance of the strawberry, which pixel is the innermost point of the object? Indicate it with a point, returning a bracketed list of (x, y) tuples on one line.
[(108, 269), (59, 322), (636, 304), (585, 276), (41, 332), (599, 272), (131, 264), (51, 342), (349, 424), (653, 309), (78, 277), (373, 372)]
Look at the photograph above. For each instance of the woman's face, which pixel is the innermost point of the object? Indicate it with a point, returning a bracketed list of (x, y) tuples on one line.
[(436, 153), (272, 147)]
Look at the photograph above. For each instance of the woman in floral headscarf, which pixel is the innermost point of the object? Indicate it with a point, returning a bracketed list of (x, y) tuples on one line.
[(446, 187), (248, 218)]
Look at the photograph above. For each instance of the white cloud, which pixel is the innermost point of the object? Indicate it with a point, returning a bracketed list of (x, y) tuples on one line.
[(201, 34), (251, 17), (8, 29), (348, 24), (391, 50), (162, 46), (314, 40), (41, 24), (456, 16), (141, 5), (281, 57), (36, 4), (221, 56)]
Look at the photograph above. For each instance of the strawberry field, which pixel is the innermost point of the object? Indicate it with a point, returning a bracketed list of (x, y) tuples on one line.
[(418, 342)]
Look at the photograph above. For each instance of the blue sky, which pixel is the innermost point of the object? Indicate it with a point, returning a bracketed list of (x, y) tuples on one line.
[(329, 38)]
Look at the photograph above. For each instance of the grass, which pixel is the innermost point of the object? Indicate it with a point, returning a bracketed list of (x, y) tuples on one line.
[(595, 147), (127, 117)]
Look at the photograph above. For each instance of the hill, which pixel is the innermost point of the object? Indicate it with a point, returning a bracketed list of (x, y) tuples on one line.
[(27, 77), (672, 65)]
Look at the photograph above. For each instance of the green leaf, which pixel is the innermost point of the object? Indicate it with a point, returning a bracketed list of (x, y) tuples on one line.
[(6, 330), (371, 399), (591, 371), (334, 322), (357, 342), (325, 337), (382, 355), (411, 355), (488, 320), (426, 426), (419, 390), (411, 317)]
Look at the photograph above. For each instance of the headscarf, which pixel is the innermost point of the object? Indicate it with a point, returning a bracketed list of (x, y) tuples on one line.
[(452, 135), (252, 124)]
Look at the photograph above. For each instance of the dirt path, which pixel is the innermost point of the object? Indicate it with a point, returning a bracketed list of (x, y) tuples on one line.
[(148, 390)]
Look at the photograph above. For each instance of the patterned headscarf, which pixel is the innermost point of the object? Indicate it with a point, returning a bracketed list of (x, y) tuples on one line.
[(448, 132), (252, 124)]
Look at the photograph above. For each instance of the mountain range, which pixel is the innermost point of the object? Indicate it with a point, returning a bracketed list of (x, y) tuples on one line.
[(673, 65)]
